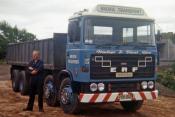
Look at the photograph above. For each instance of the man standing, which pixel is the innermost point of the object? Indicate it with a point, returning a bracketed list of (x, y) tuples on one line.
[(35, 69)]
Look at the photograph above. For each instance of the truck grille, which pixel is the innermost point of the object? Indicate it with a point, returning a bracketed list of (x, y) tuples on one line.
[(106, 66)]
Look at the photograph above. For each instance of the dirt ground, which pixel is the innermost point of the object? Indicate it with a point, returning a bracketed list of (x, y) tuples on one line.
[(4, 72), (11, 105)]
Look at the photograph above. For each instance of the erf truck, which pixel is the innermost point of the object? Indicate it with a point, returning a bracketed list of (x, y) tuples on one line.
[(108, 55)]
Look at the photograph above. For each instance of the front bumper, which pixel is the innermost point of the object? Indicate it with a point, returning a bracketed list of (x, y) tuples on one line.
[(117, 96)]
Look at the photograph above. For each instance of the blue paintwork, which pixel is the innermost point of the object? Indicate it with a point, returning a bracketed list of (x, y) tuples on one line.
[(83, 51)]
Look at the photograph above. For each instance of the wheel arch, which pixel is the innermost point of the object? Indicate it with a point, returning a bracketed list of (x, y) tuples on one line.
[(64, 74)]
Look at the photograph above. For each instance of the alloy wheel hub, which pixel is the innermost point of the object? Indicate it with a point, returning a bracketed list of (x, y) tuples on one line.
[(49, 89), (66, 95)]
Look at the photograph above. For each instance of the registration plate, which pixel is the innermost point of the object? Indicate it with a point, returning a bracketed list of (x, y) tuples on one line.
[(123, 75), (125, 97)]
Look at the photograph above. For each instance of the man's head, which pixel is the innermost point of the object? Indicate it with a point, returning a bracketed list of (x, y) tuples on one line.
[(36, 55)]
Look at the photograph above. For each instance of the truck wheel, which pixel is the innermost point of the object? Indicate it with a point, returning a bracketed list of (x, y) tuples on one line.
[(15, 80), (132, 106), (50, 92), (68, 100), (24, 83)]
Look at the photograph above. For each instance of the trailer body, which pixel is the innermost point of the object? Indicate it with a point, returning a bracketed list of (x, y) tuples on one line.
[(52, 52)]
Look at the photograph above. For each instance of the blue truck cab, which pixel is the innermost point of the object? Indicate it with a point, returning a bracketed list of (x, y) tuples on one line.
[(112, 55)]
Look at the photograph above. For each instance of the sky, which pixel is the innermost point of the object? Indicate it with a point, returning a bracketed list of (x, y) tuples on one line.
[(44, 17)]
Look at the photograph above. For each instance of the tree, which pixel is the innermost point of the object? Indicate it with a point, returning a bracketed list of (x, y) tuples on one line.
[(9, 34)]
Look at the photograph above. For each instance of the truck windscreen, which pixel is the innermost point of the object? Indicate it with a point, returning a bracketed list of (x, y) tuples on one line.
[(119, 32)]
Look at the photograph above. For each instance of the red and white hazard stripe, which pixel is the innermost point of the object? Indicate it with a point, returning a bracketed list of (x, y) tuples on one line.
[(118, 96)]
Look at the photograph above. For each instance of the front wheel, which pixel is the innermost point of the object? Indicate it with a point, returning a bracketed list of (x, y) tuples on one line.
[(132, 106), (68, 100)]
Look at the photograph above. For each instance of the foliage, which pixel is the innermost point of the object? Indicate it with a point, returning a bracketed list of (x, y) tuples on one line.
[(173, 68), (167, 77), (9, 34)]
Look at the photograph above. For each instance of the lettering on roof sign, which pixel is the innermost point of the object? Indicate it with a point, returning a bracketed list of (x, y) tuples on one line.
[(120, 10)]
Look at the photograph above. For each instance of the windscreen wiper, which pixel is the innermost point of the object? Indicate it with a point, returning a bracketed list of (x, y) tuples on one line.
[(129, 43), (107, 44), (137, 44), (145, 44)]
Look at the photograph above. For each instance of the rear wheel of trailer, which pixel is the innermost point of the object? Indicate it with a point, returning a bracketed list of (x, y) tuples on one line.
[(24, 83), (15, 77)]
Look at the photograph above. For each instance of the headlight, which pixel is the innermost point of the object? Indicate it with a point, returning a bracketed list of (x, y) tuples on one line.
[(101, 87), (144, 85), (93, 87), (150, 84)]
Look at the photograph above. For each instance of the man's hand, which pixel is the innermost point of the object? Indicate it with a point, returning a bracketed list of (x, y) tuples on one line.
[(30, 68), (34, 72)]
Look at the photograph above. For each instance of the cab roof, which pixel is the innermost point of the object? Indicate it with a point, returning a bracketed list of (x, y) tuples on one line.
[(114, 11)]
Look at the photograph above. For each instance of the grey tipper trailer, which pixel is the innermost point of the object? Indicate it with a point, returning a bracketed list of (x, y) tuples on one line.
[(52, 52)]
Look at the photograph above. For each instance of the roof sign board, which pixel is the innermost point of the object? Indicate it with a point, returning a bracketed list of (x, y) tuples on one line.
[(119, 10), (114, 11)]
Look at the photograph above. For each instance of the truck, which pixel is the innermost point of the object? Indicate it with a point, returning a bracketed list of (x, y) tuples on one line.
[(108, 55)]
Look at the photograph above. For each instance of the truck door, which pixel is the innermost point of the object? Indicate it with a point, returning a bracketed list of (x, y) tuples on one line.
[(73, 48)]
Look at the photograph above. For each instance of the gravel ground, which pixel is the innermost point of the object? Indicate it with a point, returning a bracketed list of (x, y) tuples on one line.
[(11, 104)]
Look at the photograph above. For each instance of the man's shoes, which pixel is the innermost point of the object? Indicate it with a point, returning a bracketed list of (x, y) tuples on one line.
[(27, 109), (41, 110)]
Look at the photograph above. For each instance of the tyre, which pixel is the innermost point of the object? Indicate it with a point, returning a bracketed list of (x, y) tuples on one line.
[(132, 106), (68, 100), (50, 92), (15, 80), (24, 83)]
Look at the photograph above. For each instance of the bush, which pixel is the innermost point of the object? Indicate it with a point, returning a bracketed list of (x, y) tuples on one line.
[(167, 78)]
